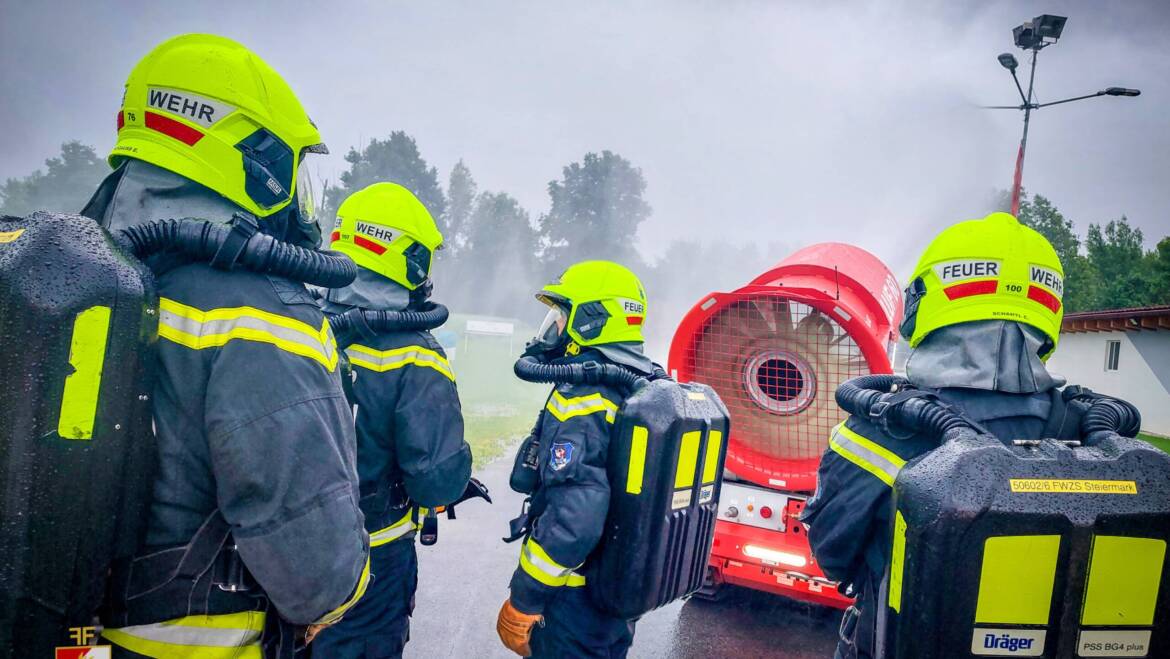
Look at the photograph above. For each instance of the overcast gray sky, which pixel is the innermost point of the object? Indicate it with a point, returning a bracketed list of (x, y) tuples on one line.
[(775, 122)]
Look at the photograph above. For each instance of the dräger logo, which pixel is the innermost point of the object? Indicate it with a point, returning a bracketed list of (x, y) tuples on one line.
[(1008, 642)]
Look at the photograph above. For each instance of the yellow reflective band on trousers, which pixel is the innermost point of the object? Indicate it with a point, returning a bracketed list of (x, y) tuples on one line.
[(566, 408), (198, 329), (87, 355), (394, 531), (867, 454), (897, 561), (688, 458), (360, 590), (637, 468), (1124, 579), (711, 459), (387, 360), (228, 636), (536, 563), (1016, 580)]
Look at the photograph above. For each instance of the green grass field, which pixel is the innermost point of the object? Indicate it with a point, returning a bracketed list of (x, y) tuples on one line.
[(498, 408), (1161, 442)]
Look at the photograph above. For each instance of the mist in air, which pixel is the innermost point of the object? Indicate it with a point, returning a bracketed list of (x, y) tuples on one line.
[(758, 127)]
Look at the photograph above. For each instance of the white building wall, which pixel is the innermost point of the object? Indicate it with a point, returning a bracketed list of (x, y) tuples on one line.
[(1142, 376)]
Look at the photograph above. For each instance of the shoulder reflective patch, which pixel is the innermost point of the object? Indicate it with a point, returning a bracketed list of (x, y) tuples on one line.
[(561, 454), (566, 408), (198, 329), (867, 454), (388, 360)]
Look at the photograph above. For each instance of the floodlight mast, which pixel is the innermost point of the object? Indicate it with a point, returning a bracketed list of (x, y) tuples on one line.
[(1041, 32)]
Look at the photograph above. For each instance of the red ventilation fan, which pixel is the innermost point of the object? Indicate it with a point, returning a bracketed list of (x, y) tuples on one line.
[(776, 351)]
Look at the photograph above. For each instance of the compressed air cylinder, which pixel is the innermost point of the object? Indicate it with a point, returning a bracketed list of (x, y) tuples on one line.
[(1031, 551), (77, 455), (665, 469)]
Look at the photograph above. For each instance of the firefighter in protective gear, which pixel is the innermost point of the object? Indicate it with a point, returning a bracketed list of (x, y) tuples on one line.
[(411, 450), (983, 313), (254, 530), (596, 311)]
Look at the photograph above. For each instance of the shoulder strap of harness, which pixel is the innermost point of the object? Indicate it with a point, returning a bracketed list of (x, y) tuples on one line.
[(1068, 408)]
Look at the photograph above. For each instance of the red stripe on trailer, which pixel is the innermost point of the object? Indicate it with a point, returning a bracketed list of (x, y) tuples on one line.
[(369, 244), (985, 287), (1037, 294), (172, 128)]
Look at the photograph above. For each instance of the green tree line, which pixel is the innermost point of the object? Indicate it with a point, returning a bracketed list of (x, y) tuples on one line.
[(497, 252), (1110, 268)]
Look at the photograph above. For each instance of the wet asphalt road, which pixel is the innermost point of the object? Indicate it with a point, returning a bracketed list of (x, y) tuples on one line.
[(463, 580)]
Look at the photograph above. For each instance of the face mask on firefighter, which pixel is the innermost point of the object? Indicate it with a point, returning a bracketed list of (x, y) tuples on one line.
[(551, 333)]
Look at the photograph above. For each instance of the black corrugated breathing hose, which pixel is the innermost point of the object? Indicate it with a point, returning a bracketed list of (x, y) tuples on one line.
[(226, 245), (531, 369), (363, 321)]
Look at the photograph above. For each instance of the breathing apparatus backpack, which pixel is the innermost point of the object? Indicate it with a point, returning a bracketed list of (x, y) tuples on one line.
[(78, 327), (665, 468), (1041, 548)]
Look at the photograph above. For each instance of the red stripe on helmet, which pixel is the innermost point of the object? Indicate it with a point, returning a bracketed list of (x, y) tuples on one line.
[(336, 236), (369, 244), (1037, 294), (171, 128), (984, 287), (121, 120), (633, 320)]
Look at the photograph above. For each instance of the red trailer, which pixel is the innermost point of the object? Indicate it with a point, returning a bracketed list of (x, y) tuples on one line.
[(776, 350)]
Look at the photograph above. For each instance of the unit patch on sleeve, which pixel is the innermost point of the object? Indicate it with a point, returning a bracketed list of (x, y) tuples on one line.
[(562, 454)]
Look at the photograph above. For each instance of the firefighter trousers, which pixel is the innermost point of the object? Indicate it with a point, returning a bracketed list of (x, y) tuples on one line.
[(574, 627), (378, 626)]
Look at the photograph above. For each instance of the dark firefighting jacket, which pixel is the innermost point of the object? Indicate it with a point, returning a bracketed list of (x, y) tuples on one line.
[(409, 429), (571, 500), (253, 431)]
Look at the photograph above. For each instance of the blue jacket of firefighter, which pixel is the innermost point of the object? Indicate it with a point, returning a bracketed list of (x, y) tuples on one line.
[(411, 453), (255, 440), (990, 370), (568, 512)]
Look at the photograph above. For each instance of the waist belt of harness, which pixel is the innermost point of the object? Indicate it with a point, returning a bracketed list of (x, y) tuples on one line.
[(204, 577)]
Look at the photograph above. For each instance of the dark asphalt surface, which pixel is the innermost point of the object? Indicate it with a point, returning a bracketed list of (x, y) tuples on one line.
[(463, 580)]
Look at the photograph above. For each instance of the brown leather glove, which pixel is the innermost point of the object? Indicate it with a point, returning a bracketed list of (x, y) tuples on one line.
[(515, 628)]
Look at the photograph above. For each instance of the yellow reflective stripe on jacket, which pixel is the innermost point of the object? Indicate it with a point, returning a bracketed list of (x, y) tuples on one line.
[(870, 456), (393, 532), (228, 636), (566, 408), (336, 614), (87, 355), (198, 329), (386, 360), (536, 563)]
